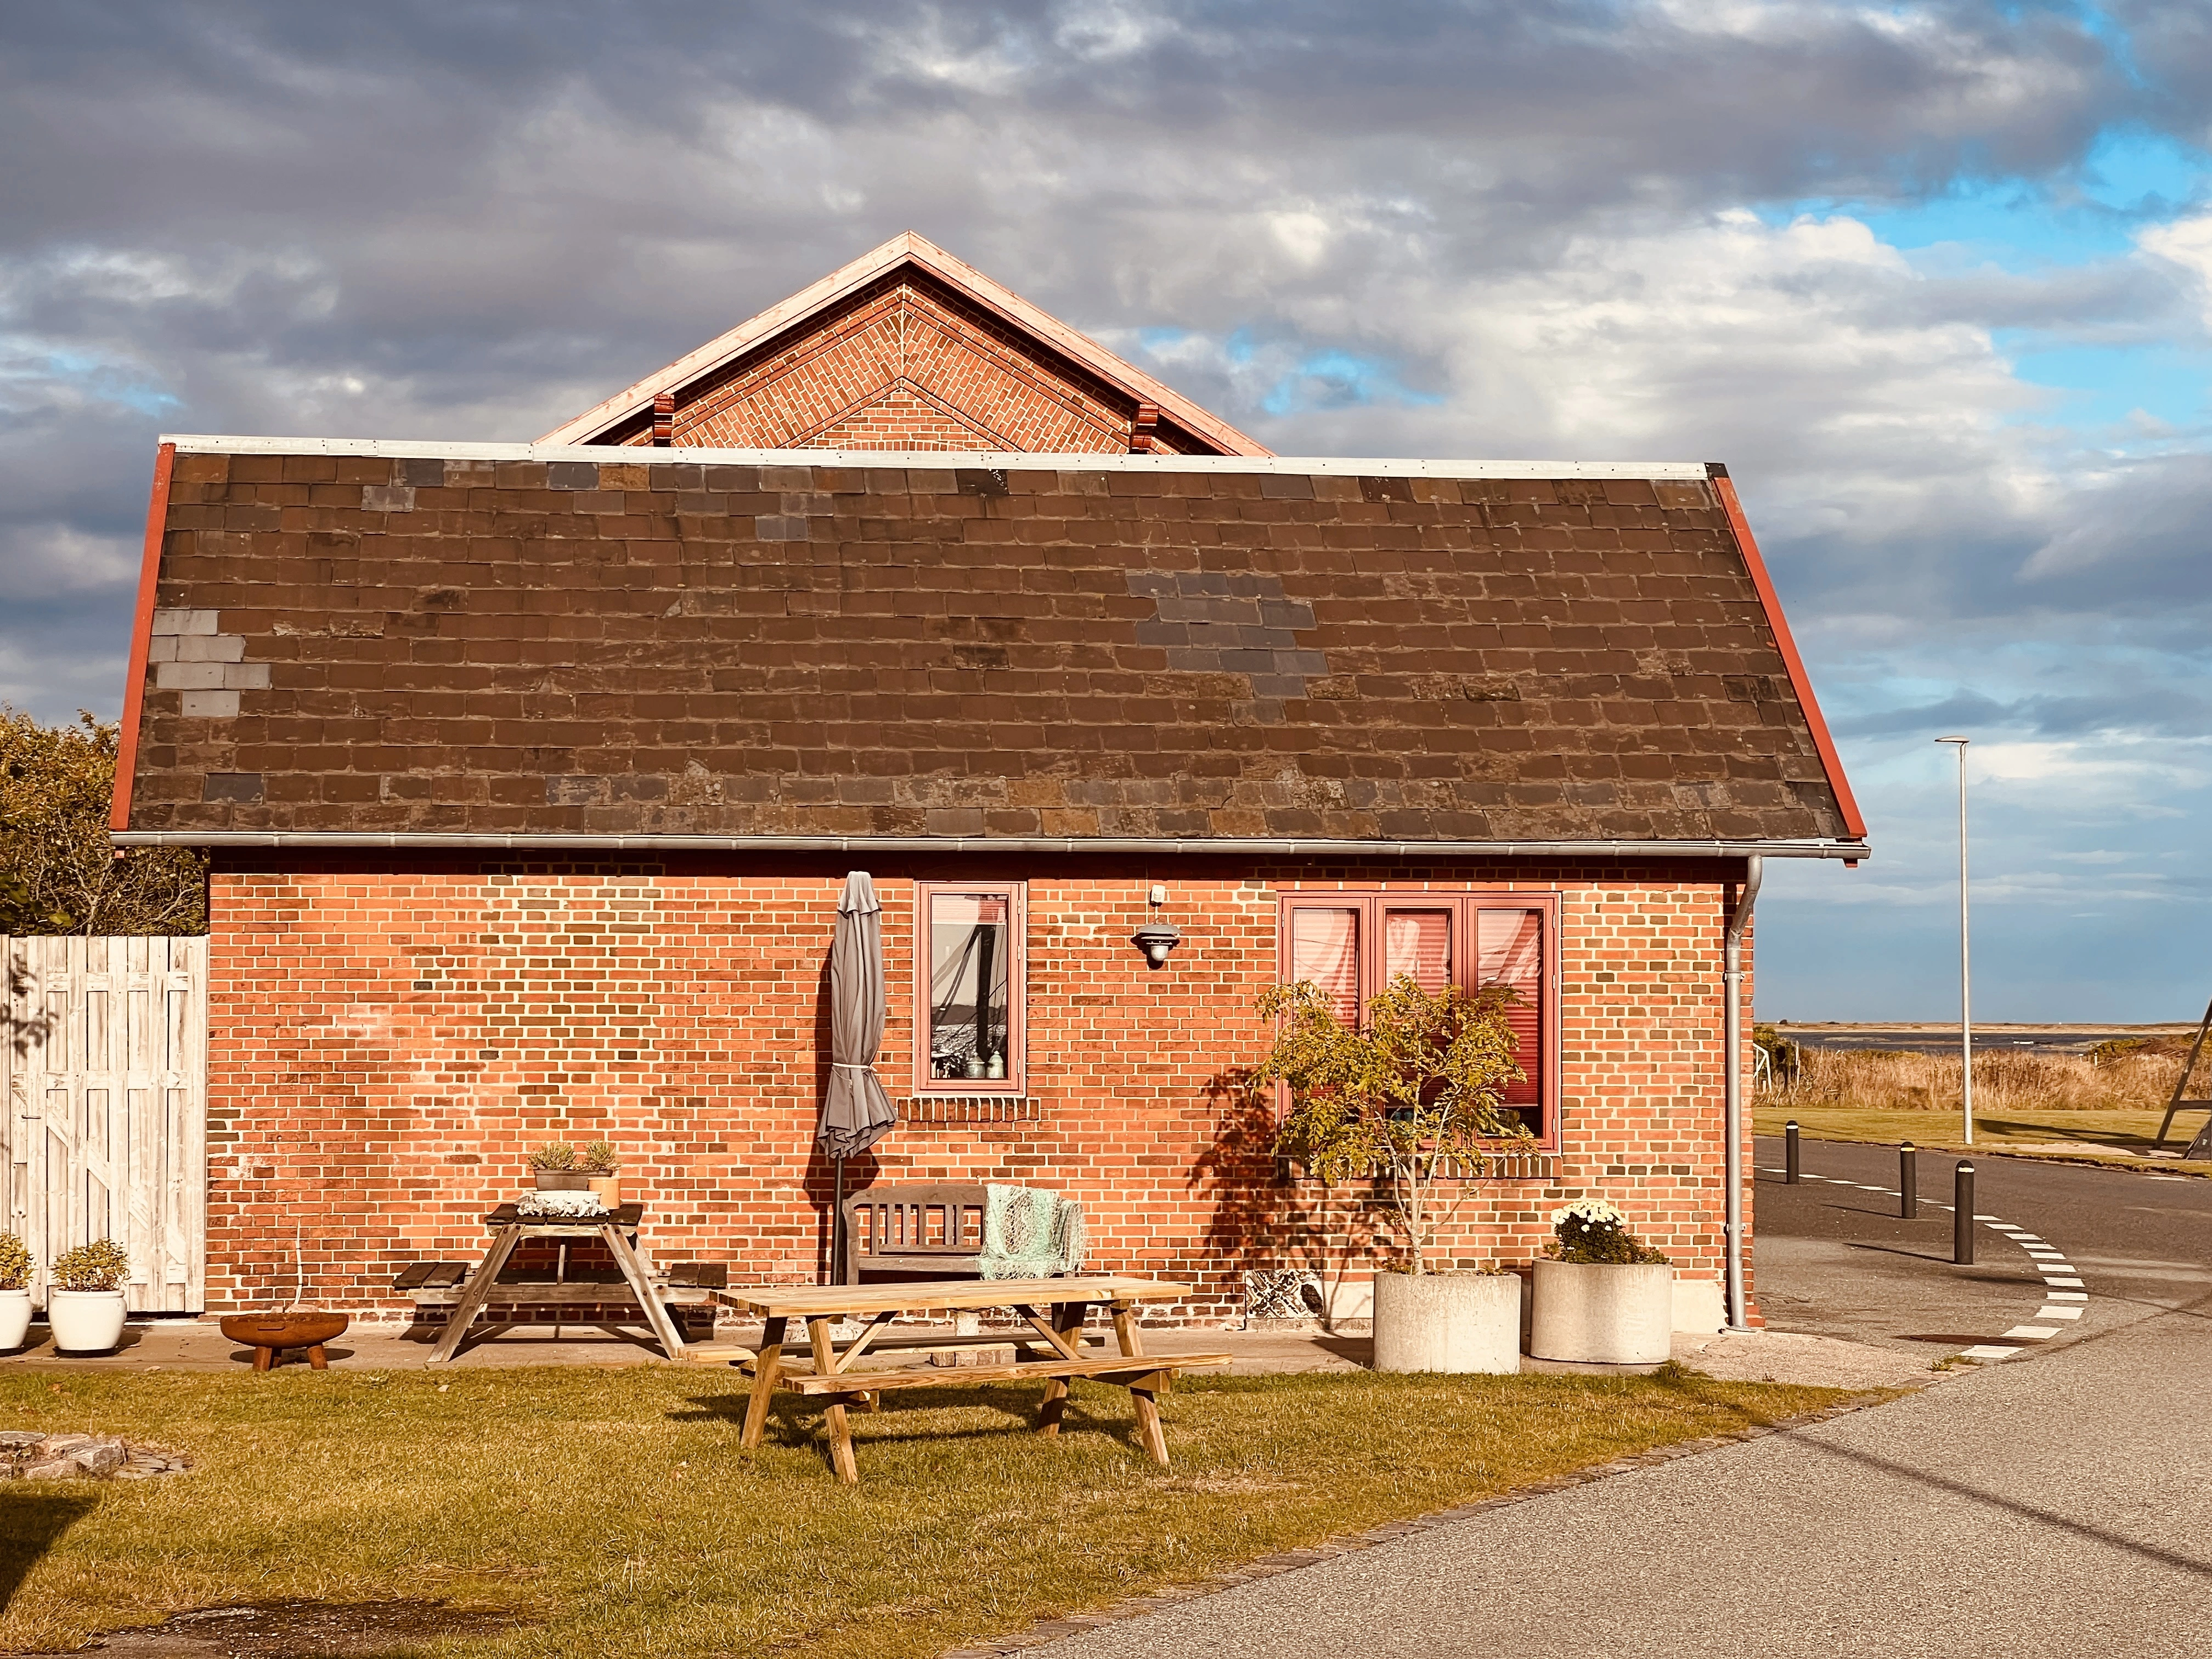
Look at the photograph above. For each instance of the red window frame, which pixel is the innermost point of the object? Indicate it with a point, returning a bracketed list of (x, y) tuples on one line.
[(1375, 905), (1016, 1081)]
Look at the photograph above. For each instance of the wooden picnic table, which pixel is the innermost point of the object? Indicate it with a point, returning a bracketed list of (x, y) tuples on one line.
[(1055, 1310), (617, 1229)]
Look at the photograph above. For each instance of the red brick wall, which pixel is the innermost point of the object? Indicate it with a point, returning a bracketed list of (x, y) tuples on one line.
[(388, 1043)]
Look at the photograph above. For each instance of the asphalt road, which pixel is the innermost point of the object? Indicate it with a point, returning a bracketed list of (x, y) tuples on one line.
[(2059, 1503)]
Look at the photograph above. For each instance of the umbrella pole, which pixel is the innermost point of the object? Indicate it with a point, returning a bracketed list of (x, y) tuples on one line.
[(837, 1228)]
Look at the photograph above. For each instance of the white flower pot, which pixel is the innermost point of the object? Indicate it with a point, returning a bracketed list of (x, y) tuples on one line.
[(14, 1319), (85, 1321), (1603, 1313), (1448, 1322)]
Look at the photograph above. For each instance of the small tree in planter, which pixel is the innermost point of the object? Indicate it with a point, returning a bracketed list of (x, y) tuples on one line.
[(85, 1306), (1416, 1090), (15, 1265), (1602, 1295)]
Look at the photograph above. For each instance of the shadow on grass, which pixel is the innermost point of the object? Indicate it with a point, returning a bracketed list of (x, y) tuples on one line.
[(795, 1422), (31, 1524)]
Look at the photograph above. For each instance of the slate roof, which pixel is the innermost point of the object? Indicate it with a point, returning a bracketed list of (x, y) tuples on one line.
[(352, 639)]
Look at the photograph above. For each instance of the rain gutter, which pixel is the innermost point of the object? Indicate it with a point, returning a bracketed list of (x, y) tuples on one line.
[(1225, 846), (1732, 1093)]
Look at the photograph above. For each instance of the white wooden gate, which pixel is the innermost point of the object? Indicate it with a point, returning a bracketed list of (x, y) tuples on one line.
[(103, 1057)]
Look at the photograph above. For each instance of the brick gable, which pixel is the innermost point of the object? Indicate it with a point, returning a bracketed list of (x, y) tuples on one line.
[(906, 349), (907, 365)]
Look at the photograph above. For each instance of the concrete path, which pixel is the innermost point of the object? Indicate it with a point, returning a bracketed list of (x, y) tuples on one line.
[(2059, 1502)]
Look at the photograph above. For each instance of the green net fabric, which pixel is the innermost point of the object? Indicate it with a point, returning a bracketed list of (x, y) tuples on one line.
[(1029, 1234)]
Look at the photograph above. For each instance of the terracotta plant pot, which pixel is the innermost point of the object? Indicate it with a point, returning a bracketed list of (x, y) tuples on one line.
[(85, 1321), (562, 1180), (272, 1333), (14, 1319), (607, 1188)]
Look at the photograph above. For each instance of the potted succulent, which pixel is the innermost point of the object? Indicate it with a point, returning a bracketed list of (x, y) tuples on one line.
[(599, 1162), (15, 1292), (1603, 1296), (84, 1305), (555, 1166), (1408, 1099)]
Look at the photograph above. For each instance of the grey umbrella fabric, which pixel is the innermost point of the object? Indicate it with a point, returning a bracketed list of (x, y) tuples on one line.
[(857, 1113)]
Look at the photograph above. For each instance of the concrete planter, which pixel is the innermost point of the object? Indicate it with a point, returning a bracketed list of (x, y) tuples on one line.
[(1447, 1322), (85, 1321), (14, 1319), (1603, 1313)]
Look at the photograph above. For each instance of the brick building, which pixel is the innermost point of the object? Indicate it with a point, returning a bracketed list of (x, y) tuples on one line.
[(531, 774)]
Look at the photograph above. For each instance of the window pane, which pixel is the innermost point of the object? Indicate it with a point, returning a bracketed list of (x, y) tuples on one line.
[(1419, 943), (1325, 948), (1509, 949), (970, 963)]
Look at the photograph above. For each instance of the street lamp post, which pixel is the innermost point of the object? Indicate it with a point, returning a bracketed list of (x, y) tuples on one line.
[(1965, 966)]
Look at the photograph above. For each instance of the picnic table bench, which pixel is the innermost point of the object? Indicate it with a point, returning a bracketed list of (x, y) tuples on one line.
[(638, 1293), (1055, 1335)]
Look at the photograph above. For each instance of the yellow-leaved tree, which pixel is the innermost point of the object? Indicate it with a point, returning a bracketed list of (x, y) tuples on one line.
[(1414, 1093), (59, 873)]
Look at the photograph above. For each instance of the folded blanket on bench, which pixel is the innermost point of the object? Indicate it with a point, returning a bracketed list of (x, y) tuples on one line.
[(1030, 1234)]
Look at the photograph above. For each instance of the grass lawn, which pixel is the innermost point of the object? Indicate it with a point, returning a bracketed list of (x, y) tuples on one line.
[(2120, 1136), (613, 1513)]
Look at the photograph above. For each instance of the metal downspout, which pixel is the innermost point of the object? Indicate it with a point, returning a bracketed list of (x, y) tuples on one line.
[(1732, 1089)]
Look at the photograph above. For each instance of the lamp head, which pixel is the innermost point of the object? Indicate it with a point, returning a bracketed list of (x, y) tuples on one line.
[(1961, 741), (1156, 940)]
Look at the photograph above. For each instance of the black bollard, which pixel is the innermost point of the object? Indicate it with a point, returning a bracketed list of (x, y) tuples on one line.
[(1962, 1221), (1908, 1181), (1789, 1153)]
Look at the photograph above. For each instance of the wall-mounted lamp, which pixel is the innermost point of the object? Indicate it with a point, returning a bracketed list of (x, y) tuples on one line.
[(1156, 940)]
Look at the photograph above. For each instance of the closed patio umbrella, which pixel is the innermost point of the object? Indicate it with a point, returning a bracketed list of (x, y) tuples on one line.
[(856, 1112)]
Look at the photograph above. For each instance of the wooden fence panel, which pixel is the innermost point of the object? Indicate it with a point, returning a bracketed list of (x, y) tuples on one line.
[(103, 1068)]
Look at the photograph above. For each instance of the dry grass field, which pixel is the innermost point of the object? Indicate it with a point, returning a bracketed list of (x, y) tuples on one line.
[(2107, 1102)]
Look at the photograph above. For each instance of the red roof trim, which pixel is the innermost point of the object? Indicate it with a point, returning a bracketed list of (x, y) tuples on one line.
[(141, 637), (1724, 487)]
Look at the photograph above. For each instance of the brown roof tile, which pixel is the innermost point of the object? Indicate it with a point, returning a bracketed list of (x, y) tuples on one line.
[(678, 648)]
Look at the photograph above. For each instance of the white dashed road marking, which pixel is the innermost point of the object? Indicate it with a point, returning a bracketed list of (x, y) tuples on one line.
[(2058, 1281)]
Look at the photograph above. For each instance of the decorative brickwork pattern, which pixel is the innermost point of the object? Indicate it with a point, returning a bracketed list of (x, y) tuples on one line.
[(391, 1037), (910, 364), (642, 647)]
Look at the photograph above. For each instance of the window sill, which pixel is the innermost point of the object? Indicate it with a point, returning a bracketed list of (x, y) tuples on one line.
[(1541, 1165), (1000, 1108)]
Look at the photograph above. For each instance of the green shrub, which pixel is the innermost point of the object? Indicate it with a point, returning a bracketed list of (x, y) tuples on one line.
[(14, 1262), (102, 1265)]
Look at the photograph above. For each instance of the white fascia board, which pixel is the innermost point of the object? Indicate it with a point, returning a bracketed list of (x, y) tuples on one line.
[(937, 459)]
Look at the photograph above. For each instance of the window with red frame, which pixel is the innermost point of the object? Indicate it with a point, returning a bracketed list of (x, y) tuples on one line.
[(1354, 944), (970, 973)]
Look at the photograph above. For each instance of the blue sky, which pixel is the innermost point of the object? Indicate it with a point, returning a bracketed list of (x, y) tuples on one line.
[(1933, 279)]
